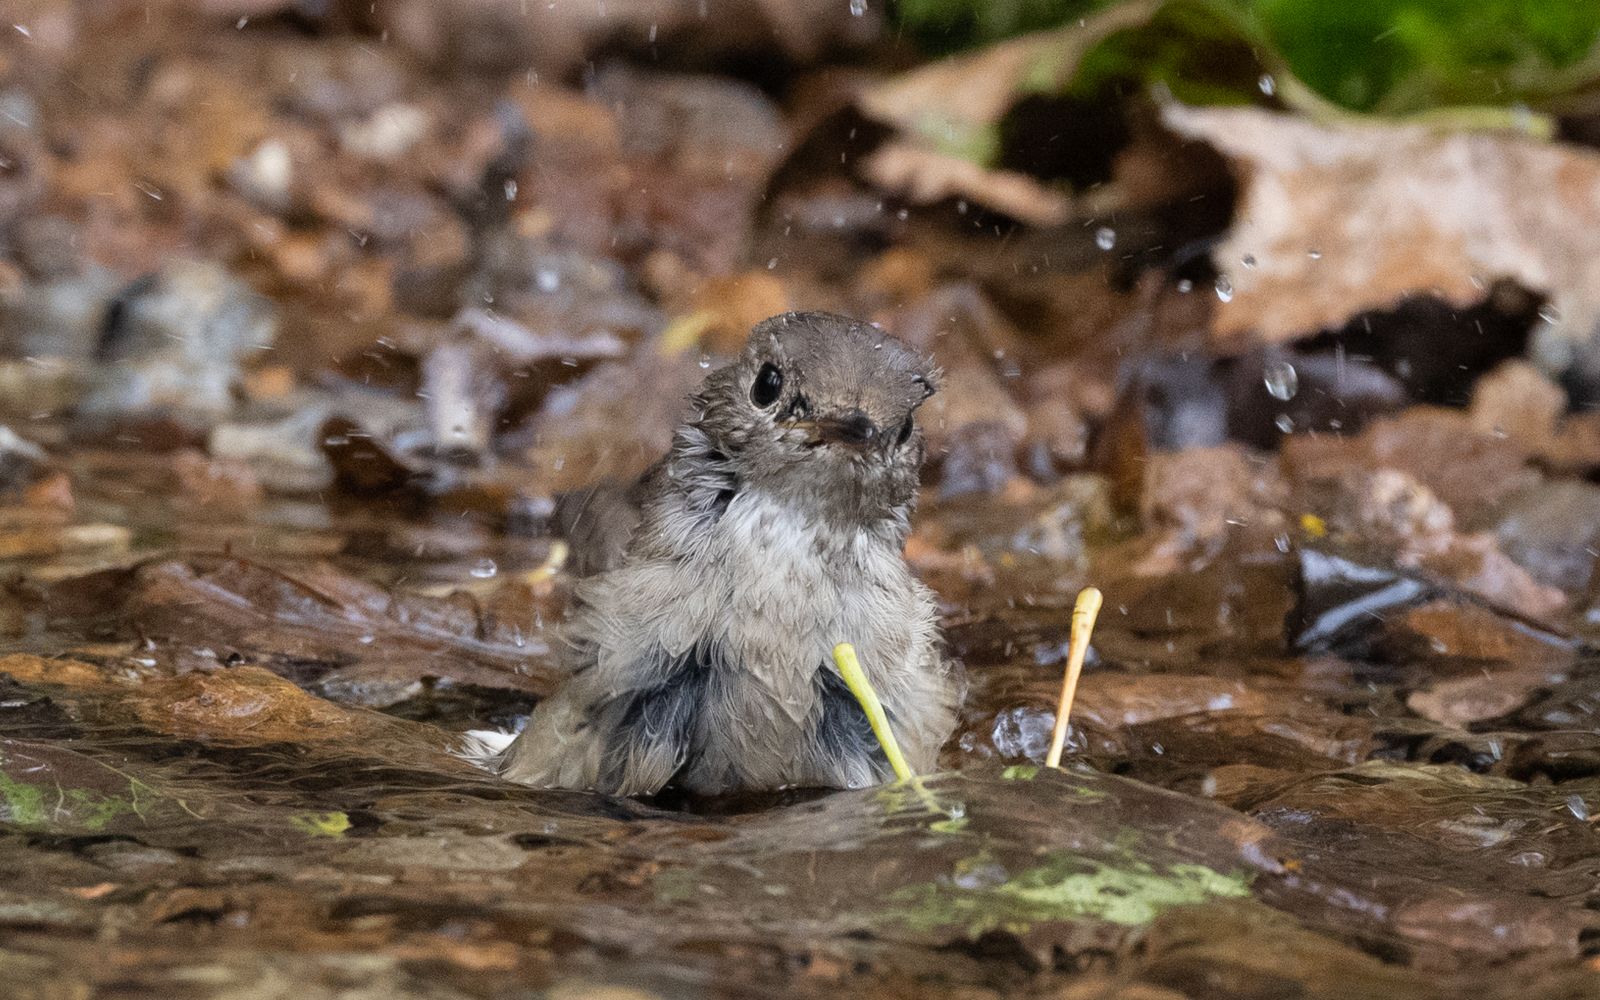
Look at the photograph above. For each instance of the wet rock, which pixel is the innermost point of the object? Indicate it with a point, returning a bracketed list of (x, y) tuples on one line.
[(468, 382), (304, 625), (1275, 391), (1248, 951), (1117, 701), (1393, 512), (1468, 631), (1464, 701), (1338, 597), (1347, 596), (1411, 821), (176, 343), (1573, 703), (969, 339), (1193, 499), (61, 318), (1476, 564), (1516, 400), (979, 457), (1061, 407), (1386, 510), (1553, 531), (1482, 472), (216, 485), (47, 247), (21, 462), (1056, 523), (364, 466), (500, 36), (613, 423), (1179, 403)]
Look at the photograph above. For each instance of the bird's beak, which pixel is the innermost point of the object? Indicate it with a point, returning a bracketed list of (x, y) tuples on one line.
[(853, 430)]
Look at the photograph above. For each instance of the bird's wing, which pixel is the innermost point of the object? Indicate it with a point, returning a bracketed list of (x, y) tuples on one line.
[(599, 521)]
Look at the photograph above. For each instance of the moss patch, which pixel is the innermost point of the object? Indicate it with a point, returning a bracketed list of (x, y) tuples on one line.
[(1066, 887)]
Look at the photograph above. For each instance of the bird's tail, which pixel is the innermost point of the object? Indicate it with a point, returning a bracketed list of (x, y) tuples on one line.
[(485, 747)]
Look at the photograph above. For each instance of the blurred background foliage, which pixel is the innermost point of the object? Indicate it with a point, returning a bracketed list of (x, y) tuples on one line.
[(1386, 57)]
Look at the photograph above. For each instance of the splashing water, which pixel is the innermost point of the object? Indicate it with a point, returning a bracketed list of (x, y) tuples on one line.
[(1281, 380)]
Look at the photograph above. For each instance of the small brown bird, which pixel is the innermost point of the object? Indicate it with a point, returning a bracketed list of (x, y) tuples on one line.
[(771, 532)]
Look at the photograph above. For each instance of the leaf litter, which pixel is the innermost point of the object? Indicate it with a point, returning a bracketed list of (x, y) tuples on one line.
[(302, 347)]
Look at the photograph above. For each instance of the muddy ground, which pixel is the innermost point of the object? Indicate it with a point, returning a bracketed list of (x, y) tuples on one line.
[(308, 311)]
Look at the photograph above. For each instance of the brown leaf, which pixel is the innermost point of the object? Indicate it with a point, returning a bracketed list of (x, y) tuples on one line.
[(1342, 220), (946, 111)]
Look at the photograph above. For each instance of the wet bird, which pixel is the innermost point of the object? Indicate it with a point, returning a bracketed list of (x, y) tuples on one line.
[(772, 531)]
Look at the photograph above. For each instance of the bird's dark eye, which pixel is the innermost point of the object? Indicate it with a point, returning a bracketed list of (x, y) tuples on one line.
[(768, 384), (905, 432)]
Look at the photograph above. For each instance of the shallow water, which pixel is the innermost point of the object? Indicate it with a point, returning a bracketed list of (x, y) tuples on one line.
[(231, 776)]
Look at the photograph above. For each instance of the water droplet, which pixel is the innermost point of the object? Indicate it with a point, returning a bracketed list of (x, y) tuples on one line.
[(705, 361), (1314, 254), (1268, 85), (511, 190), (1224, 288), (1284, 423), (1105, 237), (548, 279), (1550, 314), (772, 263), (1185, 286), (1281, 379), (858, 7), (1281, 540), (1249, 261), (484, 569), (1578, 807)]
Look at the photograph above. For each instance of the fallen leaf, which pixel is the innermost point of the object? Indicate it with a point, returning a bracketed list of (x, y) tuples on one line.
[(1340, 220), (948, 115)]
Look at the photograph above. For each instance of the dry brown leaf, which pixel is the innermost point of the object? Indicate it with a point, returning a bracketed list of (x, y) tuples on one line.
[(924, 176), (1335, 221), (946, 111), (974, 90)]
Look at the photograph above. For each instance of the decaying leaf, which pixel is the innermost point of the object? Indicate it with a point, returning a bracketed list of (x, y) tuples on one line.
[(1335, 221), (948, 114)]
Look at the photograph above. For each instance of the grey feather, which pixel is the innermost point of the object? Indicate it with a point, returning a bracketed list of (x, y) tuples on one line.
[(773, 530)]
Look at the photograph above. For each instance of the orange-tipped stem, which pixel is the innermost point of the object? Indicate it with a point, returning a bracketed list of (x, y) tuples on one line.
[(1084, 613)]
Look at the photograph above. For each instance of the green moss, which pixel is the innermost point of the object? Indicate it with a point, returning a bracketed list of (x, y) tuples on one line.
[(675, 885), (35, 807), (1066, 887), (1391, 57), (24, 803), (330, 824)]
